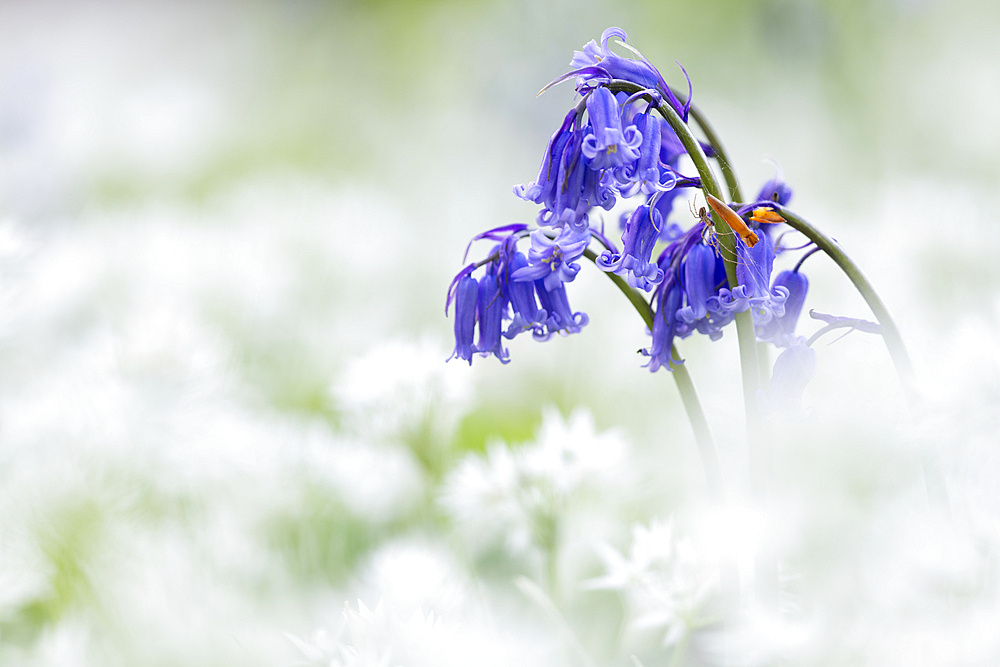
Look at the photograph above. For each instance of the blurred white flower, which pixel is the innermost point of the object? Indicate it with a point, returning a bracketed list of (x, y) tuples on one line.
[(401, 386), (381, 638), (666, 582), (376, 482), (515, 496), (409, 574)]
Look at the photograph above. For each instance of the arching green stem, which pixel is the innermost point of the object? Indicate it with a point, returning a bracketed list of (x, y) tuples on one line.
[(933, 477), (759, 456), (689, 397), (890, 333), (729, 575)]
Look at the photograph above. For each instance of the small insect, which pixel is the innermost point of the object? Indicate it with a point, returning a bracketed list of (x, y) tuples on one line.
[(759, 215), (708, 234)]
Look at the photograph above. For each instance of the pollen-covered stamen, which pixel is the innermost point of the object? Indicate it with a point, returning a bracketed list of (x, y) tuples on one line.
[(554, 260)]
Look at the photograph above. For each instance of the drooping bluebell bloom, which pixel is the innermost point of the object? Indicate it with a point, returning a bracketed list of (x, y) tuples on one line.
[(598, 64), (562, 319), (775, 190), (641, 233), (793, 369), (645, 174), (563, 187), (521, 294), (699, 282), (607, 145), (664, 327), (491, 309), (554, 260), (753, 270), (466, 299), (543, 189), (780, 330)]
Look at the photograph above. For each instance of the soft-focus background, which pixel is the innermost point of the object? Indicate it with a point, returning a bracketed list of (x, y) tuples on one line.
[(227, 432)]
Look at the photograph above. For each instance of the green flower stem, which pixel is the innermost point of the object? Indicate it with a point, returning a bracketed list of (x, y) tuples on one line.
[(729, 574), (933, 477), (744, 321), (689, 397), (890, 333), (764, 365), (758, 451)]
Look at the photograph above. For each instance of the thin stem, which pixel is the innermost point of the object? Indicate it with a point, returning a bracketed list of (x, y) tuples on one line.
[(758, 451), (744, 321), (764, 365), (680, 648), (933, 477), (890, 333), (689, 397), (729, 574)]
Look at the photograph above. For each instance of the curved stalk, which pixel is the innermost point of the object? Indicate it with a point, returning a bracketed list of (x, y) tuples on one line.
[(937, 490), (759, 456), (729, 574), (758, 450), (689, 397)]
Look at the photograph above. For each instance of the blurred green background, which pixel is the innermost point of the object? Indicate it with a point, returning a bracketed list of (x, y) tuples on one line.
[(226, 232)]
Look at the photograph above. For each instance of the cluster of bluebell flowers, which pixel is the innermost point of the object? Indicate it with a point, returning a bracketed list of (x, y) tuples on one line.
[(613, 146)]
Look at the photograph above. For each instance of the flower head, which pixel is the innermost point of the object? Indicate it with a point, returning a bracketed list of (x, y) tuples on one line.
[(492, 308), (466, 299), (599, 64), (607, 145), (641, 233), (554, 260), (780, 330)]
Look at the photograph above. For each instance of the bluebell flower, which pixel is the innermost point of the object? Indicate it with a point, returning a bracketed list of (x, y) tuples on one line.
[(598, 64), (775, 190), (543, 189), (780, 330), (753, 270), (561, 180), (645, 174), (491, 310), (561, 318), (521, 294), (466, 300), (641, 233), (554, 260), (793, 369), (607, 145), (704, 275), (667, 302)]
